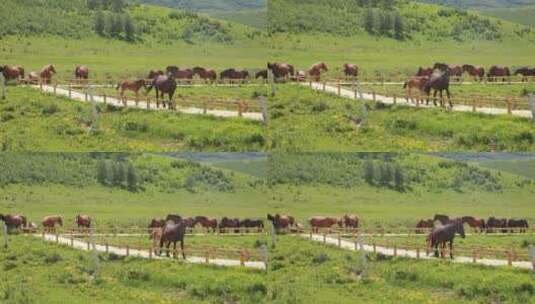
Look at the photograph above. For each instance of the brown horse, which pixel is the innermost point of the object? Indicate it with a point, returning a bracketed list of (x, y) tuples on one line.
[(206, 222), (50, 222), (46, 73), (497, 72), (180, 74), (154, 73), (83, 221), (350, 70), (442, 218), (525, 72), (261, 74), (300, 76), (477, 72), (315, 71), (16, 221), (164, 84), (439, 81), (172, 233), (477, 224), (12, 72), (156, 236), (281, 70), (33, 78), (418, 83), (318, 222), (442, 235), (227, 223), (154, 224), (349, 221), (518, 225), (233, 74), (424, 72), (252, 223), (133, 86), (496, 224), (424, 225), (456, 71), (281, 221), (81, 72), (206, 74)]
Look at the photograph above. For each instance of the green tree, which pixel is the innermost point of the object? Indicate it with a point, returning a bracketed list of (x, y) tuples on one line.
[(399, 179), (118, 174), (117, 5), (369, 20), (385, 23), (399, 27), (385, 174), (100, 23), (102, 172), (131, 179), (115, 25), (129, 29), (369, 172)]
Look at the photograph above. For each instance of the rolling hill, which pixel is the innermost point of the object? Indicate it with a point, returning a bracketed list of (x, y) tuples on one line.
[(481, 3)]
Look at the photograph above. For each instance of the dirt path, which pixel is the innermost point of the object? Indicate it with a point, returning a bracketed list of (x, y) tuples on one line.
[(77, 244), (413, 254), (401, 101), (79, 96)]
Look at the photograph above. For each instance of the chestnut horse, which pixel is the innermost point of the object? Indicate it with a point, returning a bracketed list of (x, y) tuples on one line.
[(133, 86), (497, 72), (424, 225), (16, 221), (478, 73), (50, 222), (281, 70), (281, 221), (206, 222), (227, 222), (415, 82), (457, 72), (315, 71), (81, 72), (318, 222), (350, 70), (154, 73), (349, 221), (83, 221), (206, 74), (154, 224), (164, 84), (46, 74), (180, 74), (477, 224), (424, 72), (252, 223), (12, 72)]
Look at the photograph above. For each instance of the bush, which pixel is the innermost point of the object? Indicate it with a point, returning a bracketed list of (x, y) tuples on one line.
[(50, 109), (320, 258)]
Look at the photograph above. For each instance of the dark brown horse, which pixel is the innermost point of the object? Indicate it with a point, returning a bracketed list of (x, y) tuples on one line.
[(164, 84), (12, 72), (424, 72), (206, 74), (16, 221), (518, 225), (81, 72), (50, 222), (456, 71), (261, 74), (496, 224), (155, 223), (281, 70), (225, 223), (444, 234), (318, 222), (424, 226), (442, 218), (83, 221), (46, 73), (349, 221), (315, 71), (497, 72), (174, 218), (180, 74), (525, 72), (173, 232), (133, 86), (477, 72), (154, 73), (206, 222), (233, 74), (439, 81), (415, 82), (281, 221), (350, 70), (252, 223), (478, 224)]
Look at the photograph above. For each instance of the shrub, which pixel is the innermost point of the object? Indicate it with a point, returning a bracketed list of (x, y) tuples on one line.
[(50, 109), (320, 258)]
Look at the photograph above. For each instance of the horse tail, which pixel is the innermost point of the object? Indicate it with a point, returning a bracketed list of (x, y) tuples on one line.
[(405, 84)]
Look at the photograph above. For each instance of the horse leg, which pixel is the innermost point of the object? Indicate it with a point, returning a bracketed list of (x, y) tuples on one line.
[(441, 99), (174, 249), (436, 249), (182, 248), (435, 98), (451, 249), (167, 247), (161, 246), (449, 97)]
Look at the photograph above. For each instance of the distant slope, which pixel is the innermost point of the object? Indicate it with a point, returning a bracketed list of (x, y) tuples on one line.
[(256, 18), (481, 3), (522, 14)]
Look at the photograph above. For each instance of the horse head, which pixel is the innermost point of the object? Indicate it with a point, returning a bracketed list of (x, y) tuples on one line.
[(51, 68), (60, 221), (323, 66), (441, 66)]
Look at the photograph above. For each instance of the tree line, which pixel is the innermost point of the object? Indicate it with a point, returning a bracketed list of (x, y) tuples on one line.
[(111, 20)]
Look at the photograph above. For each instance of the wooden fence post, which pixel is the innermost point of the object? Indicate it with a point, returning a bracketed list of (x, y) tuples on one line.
[(395, 98), (374, 248), (509, 258), (417, 253), (509, 102), (324, 238), (150, 252), (127, 250), (242, 258), (395, 250), (207, 257), (3, 86), (324, 87), (339, 88), (373, 94), (57, 237), (55, 87), (70, 90), (107, 246), (339, 240), (88, 245)]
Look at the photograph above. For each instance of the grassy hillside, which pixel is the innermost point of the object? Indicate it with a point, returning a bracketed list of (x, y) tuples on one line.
[(481, 3), (522, 14), (521, 167)]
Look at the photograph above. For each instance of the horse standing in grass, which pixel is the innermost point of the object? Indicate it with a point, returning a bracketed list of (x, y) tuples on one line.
[(318, 222), (164, 84), (424, 225), (415, 83), (477, 224), (261, 74), (424, 72), (349, 221), (206, 74), (154, 73), (50, 223), (525, 72), (12, 72), (281, 70), (173, 232), (206, 222), (177, 73), (16, 221), (315, 71), (281, 221), (33, 78), (445, 234), (456, 71), (133, 86), (83, 221), (350, 70), (497, 72), (233, 74), (46, 74), (439, 81), (81, 72), (518, 225), (155, 223), (477, 72)]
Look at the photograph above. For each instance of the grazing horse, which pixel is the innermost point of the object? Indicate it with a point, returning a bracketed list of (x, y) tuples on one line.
[(415, 82), (318, 222), (478, 224), (189, 222), (525, 72), (133, 86), (81, 72), (16, 221), (281, 221), (424, 72), (439, 81), (206, 222), (174, 218), (424, 225), (206, 74), (233, 74), (496, 72), (478, 73), (349, 221), (496, 224), (227, 222), (50, 222), (164, 84), (12, 72), (83, 221), (281, 70), (261, 74), (173, 232), (154, 224), (456, 71), (300, 76), (315, 71), (443, 234), (443, 219), (252, 223), (46, 73), (350, 70), (180, 74), (521, 225), (154, 73), (33, 78)]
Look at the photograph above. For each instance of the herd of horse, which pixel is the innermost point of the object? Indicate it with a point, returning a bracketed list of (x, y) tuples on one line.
[(491, 225)]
